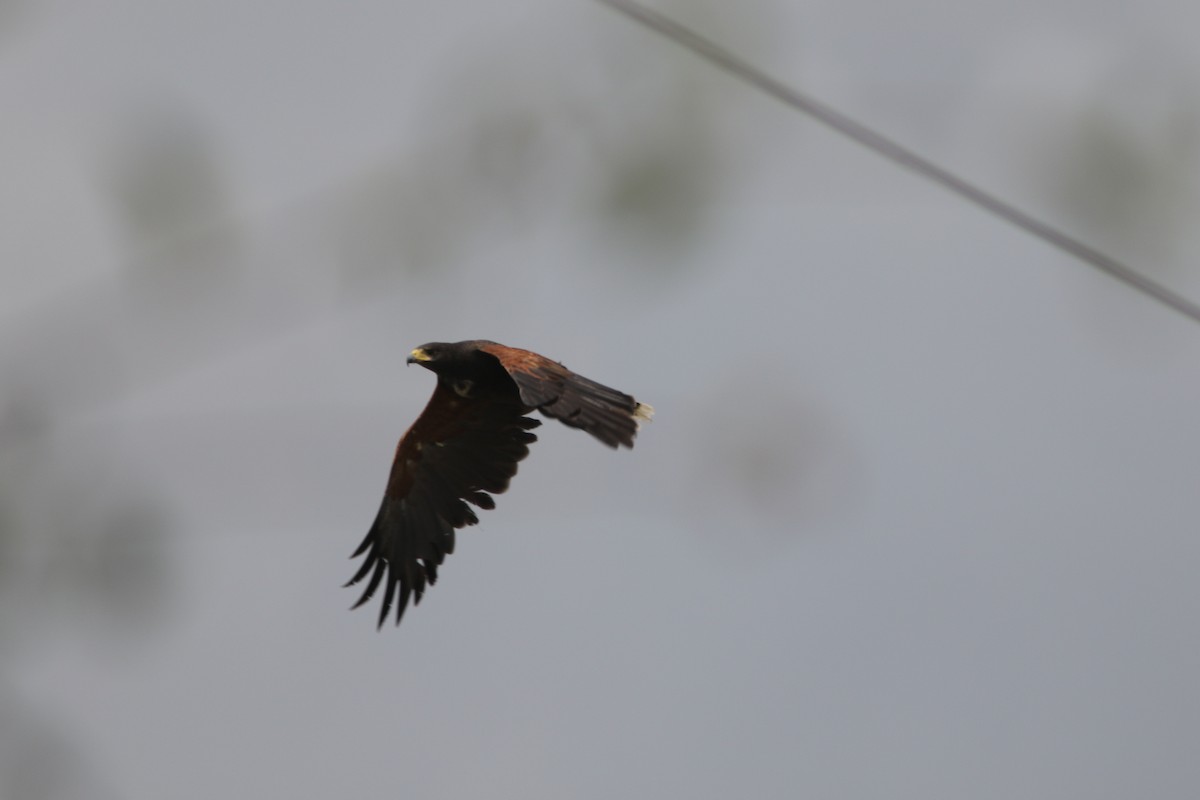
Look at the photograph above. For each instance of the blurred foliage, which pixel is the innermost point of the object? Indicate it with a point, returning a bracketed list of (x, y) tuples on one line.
[(81, 547), (8, 548), (1115, 148), (111, 564), (20, 427), (1128, 174), (1109, 135), (654, 184), (628, 141), (164, 176), (37, 763), (71, 558), (787, 466), (417, 214), (166, 181)]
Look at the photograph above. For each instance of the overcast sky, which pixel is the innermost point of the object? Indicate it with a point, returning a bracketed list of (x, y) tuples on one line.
[(917, 513)]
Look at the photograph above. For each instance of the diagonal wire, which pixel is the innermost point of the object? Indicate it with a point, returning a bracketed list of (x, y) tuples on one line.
[(901, 155)]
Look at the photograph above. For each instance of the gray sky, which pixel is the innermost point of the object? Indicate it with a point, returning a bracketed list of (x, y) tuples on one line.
[(915, 518)]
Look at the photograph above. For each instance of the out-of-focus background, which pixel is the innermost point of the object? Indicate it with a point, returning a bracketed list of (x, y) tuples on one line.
[(918, 513)]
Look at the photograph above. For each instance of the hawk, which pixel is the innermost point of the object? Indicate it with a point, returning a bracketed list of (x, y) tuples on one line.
[(464, 447)]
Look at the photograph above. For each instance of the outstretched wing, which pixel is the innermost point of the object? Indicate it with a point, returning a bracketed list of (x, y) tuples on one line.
[(457, 451), (611, 416)]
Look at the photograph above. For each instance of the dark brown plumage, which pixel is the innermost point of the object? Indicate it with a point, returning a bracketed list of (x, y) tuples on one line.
[(465, 444)]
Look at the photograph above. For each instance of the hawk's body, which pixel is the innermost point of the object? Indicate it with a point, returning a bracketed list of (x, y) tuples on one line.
[(466, 443)]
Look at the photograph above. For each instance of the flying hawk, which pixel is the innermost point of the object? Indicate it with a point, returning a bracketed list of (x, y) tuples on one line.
[(465, 444)]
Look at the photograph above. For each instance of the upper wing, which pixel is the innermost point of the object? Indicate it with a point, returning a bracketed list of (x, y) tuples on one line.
[(612, 417), (458, 450)]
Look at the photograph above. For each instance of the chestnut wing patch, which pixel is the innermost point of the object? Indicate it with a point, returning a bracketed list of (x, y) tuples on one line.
[(611, 416)]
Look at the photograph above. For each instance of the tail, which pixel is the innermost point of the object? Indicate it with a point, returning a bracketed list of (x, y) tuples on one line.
[(611, 416)]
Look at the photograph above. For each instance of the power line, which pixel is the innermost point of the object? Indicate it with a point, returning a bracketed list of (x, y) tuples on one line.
[(872, 140)]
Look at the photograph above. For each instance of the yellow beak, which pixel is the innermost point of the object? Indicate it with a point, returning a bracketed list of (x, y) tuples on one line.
[(417, 355)]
